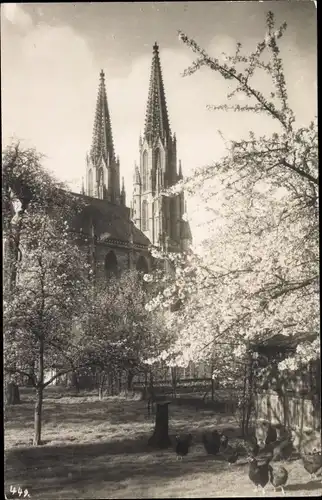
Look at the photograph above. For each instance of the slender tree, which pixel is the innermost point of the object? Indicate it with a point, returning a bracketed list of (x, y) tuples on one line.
[(46, 275)]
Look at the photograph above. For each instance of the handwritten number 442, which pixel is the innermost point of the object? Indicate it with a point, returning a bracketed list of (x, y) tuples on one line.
[(21, 493)]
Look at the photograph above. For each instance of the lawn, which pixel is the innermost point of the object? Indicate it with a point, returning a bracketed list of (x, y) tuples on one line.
[(98, 449)]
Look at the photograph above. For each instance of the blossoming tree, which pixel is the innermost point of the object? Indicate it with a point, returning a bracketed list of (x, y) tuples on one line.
[(47, 276), (119, 335), (256, 274)]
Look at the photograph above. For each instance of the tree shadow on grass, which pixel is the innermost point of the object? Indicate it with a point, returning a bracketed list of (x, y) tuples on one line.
[(57, 468), (310, 486), (115, 412)]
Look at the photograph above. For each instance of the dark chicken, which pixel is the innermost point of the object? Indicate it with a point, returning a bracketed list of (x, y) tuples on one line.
[(278, 476), (281, 450), (312, 462), (211, 442), (223, 441), (258, 473), (183, 445), (230, 454)]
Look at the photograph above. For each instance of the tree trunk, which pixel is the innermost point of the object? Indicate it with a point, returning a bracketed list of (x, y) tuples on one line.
[(249, 394), (130, 376), (160, 437), (212, 383), (244, 404), (74, 382), (120, 381), (12, 393), (174, 381), (102, 378), (39, 395), (30, 382), (145, 388), (112, 383), (38, 416)]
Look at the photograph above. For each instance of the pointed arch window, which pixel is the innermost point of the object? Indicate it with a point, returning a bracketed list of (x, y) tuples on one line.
[(101, 176), (110, 265), (145, 220), (158, 167), (90, 182), (145, 171)]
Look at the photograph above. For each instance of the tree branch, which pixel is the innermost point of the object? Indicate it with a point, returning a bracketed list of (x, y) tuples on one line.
[(22, 372), (300, 172), (59, 374)]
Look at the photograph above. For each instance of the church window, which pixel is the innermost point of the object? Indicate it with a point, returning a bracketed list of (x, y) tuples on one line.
[(90, 182), (145, 171), (100, 176), (145, 220), (142, 265), (158, 166), (110, 264), (158, 158)]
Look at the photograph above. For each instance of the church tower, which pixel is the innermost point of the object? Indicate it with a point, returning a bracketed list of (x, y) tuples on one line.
[(102, 167), (160, 218)]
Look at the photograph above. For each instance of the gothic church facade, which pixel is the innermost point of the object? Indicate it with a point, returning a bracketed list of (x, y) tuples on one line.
[(121, 236)]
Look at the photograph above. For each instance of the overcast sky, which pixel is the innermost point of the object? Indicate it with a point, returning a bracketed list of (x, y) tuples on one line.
[(52, 55)]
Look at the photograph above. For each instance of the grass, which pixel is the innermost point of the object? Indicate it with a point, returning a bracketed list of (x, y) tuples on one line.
[(98, 449)]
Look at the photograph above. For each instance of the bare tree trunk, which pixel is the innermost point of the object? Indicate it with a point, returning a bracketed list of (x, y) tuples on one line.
[(102, 378), (12, 393), (119, 380), (160, 437), (39, 396), (249, 394), (243, 423), (74, 382), (174, 381), (38, 416), (130, 376), (212, 383)]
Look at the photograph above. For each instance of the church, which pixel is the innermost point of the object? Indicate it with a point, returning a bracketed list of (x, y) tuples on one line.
[(121, 236)]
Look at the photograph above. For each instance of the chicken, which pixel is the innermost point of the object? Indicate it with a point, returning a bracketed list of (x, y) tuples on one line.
[(271, 435), (211, 442), (223, 441), (183, 445), (278, 476), (281, 450), (230, 454), (258, 473), (312, 462)]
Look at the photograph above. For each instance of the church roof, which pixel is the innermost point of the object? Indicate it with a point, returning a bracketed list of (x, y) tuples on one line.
[(102, 143), (157, 120), (112, 223)]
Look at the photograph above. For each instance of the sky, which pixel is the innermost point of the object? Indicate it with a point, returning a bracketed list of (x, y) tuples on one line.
[(52, 53)]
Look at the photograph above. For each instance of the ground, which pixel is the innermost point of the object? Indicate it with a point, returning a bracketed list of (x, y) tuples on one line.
[(98, 449)]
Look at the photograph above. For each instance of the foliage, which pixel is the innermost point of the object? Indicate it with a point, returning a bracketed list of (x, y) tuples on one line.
[(25, 182), (256, 274), (119, 333), (49, 293), (46, 270)]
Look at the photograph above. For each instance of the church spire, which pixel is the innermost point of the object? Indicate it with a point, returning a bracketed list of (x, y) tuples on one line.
[(102, 144), (156, 121), (123, 196)]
